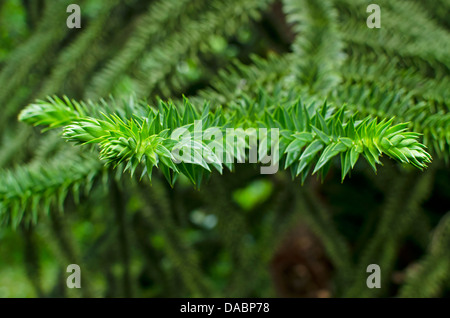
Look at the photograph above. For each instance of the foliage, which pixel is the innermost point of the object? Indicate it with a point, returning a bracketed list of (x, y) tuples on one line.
[(336, 91)]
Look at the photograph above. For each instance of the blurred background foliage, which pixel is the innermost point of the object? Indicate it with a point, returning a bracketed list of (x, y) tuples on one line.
[(242, 234)]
